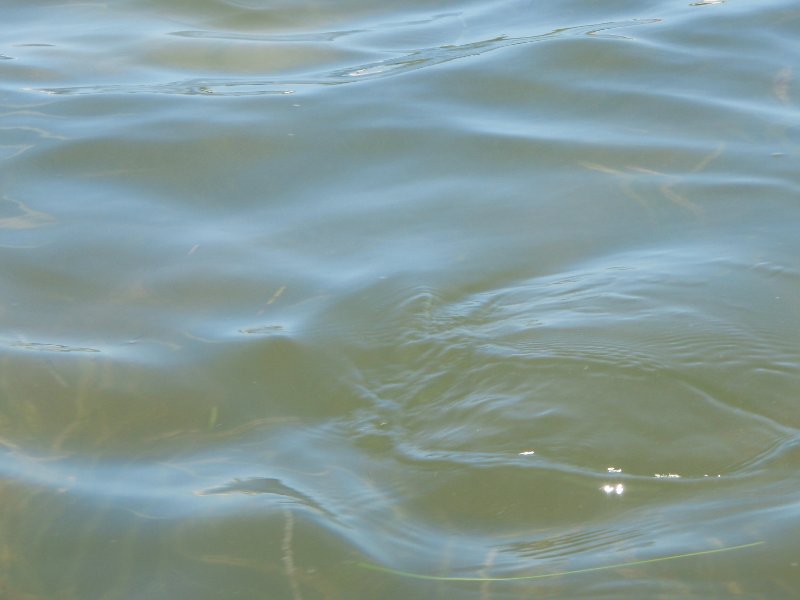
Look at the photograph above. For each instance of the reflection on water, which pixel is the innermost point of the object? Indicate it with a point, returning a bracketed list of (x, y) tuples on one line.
[(504, 320), (418, 59)]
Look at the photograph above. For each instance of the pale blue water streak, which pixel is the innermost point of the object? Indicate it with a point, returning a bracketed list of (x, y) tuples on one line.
[(417, 278)]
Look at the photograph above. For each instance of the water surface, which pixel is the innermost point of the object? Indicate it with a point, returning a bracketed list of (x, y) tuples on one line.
[(301, 300)]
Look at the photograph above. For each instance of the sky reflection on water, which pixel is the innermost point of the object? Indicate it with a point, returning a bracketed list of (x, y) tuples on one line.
[(502, 309)]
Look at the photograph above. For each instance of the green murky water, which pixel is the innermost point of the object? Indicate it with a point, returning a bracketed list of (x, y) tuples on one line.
[(468, 300)]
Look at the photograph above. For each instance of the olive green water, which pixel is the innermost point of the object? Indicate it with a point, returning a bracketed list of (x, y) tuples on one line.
[(401, 301)]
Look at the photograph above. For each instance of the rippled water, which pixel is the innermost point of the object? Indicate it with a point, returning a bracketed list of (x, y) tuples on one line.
[(363, 300)]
